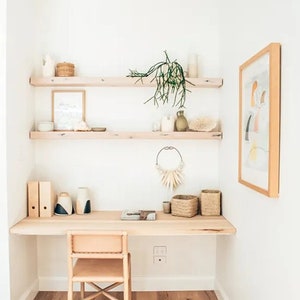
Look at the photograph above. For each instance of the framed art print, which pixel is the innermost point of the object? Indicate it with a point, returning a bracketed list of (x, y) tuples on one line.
[(259, 121), (68, 108)]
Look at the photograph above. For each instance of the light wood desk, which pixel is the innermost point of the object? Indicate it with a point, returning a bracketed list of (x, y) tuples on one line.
[(165, 224)]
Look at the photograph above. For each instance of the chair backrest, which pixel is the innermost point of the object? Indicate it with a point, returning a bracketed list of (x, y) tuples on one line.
[(95, 244)]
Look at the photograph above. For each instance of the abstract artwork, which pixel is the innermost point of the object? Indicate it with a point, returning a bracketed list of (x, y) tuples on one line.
[(259, 121)]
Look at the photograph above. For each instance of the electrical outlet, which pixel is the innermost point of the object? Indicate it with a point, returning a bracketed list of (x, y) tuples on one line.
[(160, 250), (159, 259), (160, 254)]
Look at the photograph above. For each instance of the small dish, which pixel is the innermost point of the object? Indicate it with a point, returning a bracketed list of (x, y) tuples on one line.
[(45, 126), (98, 128)]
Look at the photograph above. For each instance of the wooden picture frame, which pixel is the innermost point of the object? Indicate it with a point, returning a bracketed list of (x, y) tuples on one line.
[(68, 108), (259, 121)]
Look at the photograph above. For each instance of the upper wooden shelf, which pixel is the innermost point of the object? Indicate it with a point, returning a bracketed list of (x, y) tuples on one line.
[(187, 135), (164, 225), (116, 82)]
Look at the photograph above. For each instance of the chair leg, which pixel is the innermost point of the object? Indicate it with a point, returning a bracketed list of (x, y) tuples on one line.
[(129, 289), (82, 290), (129, 277), (70, 290), (127, 292)]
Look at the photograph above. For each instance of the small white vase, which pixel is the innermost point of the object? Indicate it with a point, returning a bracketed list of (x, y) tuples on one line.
[(64, 204), (193, 66), (48, 67), (167, 123), (83, 202)]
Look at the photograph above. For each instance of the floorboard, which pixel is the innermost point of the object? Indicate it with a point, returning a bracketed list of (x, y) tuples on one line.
[(162, 295)]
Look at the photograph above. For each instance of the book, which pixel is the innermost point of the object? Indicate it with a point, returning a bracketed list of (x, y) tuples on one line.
[(148, 215)]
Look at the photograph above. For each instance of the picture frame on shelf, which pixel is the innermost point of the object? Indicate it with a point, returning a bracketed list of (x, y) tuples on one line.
[(259, 121), (68, 108)]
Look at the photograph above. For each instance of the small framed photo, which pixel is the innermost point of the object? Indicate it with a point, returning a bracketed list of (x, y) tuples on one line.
[(68, 108)]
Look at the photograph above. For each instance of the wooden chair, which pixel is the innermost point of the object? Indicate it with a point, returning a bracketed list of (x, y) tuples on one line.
[(99, 256)]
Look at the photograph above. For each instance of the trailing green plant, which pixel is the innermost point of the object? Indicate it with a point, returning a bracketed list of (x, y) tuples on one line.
[(170, 79)]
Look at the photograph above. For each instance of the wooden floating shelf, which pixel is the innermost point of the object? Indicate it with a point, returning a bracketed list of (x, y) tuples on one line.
[(116, 82), (65, 135)]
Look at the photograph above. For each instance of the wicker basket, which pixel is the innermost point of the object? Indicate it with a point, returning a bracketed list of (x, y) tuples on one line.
[(184, 205), (64, 69), (210, 203)]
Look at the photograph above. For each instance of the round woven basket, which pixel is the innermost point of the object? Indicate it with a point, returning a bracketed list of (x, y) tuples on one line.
[(64, 69)]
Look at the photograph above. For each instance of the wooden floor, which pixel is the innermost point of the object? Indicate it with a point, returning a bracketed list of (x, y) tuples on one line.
[(186, 295)]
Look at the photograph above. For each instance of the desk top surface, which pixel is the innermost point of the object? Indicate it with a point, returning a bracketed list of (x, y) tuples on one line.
[(165, 224)]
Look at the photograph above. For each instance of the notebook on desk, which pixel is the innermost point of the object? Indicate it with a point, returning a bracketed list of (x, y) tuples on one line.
[(134, 215)]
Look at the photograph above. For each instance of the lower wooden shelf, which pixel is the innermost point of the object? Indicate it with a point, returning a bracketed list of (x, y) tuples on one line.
[(187, 135), (164, 225)]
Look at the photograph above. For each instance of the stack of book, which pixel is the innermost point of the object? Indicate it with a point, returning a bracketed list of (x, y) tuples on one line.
[(148, 215)]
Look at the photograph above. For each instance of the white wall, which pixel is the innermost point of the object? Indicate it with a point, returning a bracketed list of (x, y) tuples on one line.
[(20, 46), (262, 260), (4, 271), (107, 39)]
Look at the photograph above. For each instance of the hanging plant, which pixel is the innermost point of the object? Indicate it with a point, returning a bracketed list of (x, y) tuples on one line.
[(170, 79)]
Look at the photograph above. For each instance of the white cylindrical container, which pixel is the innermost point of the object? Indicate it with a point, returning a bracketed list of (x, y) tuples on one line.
[(167, 123), (193, 66), (45, 126), (83, 202), (48, 67), (64, 204)]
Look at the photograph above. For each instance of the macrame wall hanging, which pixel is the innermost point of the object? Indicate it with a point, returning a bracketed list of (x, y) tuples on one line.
[(173, 177)]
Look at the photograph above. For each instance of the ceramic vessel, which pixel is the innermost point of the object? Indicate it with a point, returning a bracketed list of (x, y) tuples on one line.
[(83, 202), (193, 66), (167, 207), (181, 123), (167, 123), (48, 68), (64, 205), (45, 126)]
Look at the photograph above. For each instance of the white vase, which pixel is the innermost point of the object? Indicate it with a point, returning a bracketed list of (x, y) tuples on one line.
[(167, 123), (64, 204), (83, 202), (193, 66), (48, 67)]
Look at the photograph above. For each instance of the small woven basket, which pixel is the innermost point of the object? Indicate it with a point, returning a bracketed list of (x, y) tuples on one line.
[(184, 205), (210, 203), (64, 69)]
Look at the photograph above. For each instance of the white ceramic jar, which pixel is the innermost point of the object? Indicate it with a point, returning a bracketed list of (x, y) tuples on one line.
[(167, 123), (192, 66), (45, 126), (83, 202), (64, 204), (48, 68)]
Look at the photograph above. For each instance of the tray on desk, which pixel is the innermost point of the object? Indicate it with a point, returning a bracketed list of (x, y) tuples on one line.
[(136, 215)]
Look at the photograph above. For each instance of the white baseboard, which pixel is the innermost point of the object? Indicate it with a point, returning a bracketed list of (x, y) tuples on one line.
[(140, 283), (31, 292), (220, 292), (172, 283)]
